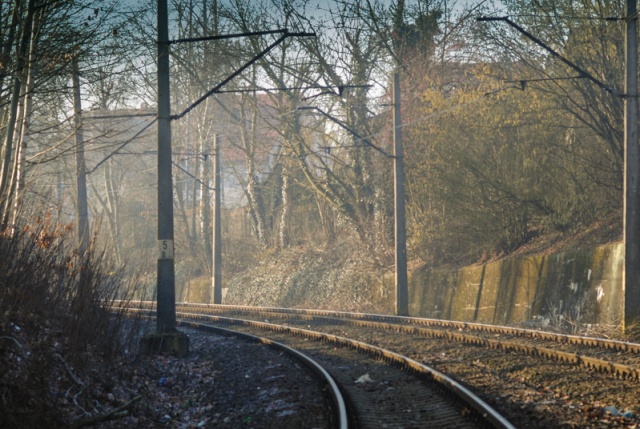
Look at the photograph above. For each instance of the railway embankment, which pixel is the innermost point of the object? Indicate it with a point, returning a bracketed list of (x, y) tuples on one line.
[(568, 289)]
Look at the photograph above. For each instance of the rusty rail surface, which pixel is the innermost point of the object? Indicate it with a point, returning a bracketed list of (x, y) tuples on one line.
[(483, 412), (339, 404), (452, 330)]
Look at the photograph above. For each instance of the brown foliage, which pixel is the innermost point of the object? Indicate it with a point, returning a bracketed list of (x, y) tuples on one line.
[(52, 319)]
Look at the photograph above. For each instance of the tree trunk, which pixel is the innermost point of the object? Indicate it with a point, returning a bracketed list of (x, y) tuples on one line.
[(253, 189), (285, 216), (8, 44), (7, 148), (81, 178), (180, 197), (113, 213), (206, 204), (193, 236)]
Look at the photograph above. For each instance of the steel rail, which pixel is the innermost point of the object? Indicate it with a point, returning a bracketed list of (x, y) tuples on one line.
[(408, 325), (622, 370), (338, 400), (482, 327), (483, 410)]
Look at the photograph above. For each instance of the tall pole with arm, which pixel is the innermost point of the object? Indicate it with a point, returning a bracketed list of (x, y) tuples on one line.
[(167, 338), (631, 204), (166, 274), (217, 226), (81, 179), (402, 298), (632, 174)]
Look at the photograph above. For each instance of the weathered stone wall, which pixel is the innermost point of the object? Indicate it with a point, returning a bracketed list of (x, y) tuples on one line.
[(583, 285)]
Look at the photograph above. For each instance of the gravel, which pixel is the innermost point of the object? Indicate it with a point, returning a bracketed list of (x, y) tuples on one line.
[(226, 382)]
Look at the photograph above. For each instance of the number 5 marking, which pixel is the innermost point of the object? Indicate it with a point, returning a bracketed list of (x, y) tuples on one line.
[(165, 249)]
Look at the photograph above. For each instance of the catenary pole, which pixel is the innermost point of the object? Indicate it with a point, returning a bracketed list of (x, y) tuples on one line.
[(166, 319), (632, 173), (631, 203), (402, 295), (217, 228), (402, 299), (81, 177), (166, 311)]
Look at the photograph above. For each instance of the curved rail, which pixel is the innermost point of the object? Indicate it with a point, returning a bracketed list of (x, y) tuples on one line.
[(419, 326), (482, 408), (483, 411), (415, 325), (408, 325), (482, 327), (338, 400)]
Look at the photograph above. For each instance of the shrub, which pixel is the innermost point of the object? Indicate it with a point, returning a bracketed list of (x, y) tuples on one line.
[(54, 319)]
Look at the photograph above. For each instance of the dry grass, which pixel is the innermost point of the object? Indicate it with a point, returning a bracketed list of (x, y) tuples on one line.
[(604, 231), (53, 321)]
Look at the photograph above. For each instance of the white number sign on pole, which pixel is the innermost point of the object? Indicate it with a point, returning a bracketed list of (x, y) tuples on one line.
[(165, 249)]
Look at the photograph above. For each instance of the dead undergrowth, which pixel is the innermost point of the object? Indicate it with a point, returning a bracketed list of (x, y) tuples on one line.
[(604, 231), (60, 348), (342, 277)]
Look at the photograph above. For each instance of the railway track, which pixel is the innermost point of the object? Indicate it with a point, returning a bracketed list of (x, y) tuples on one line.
[(383, 389), (618, 358), (405, 395), (333, 395), (535, 379)]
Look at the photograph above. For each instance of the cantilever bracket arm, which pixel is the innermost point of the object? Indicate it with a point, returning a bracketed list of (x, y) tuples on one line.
[(343, 125), (583, 73), (228, 36), (216, 88)]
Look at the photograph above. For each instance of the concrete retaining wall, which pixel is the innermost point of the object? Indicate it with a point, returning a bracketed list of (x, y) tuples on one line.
[(583, 286)]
